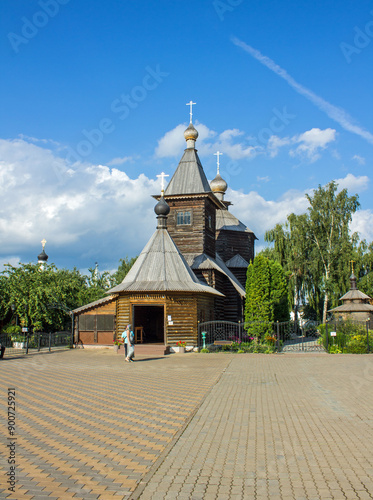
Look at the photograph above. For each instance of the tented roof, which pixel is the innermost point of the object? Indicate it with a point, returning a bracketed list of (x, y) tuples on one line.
[(161, 267), (189, 177)]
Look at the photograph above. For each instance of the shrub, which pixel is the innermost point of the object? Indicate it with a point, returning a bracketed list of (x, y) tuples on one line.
[(204, 350), (357, 344)]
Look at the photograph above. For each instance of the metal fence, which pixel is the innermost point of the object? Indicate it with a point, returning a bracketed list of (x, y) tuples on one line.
[(347, 336), (334, 337), (26, 344), (220, 332)]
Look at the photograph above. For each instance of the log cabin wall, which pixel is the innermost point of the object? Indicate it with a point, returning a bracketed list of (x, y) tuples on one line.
[(198, 236), (240, 273), (183, 309), (230, 243), (205, 308), (97, 325)]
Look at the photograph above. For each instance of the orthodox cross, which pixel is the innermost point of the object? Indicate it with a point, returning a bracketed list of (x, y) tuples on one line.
[(162, 176), (352, 265), (190, 103), (218, 153), (43, 242)]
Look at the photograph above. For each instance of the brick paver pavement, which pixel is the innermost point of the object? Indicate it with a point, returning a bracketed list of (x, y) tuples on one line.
[(89, 425), (277, 427), (193, 426)]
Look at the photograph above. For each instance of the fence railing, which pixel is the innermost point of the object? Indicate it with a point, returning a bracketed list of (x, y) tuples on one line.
[(213, 332), (40, 341), (336, 336), (347, 336)]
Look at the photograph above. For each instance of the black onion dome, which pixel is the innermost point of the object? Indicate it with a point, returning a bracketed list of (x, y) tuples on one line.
[(43, 256), (162, 207)]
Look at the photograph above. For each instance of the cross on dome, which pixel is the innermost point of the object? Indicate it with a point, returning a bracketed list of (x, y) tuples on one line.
[(43, 242), (162, 176), (191, 103), (218, 153)]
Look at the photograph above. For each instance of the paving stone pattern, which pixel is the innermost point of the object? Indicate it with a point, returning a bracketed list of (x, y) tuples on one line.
[(89, 425), (193, 426), (277, 427)]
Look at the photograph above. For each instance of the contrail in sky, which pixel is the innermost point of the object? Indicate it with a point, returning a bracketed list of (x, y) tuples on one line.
[(337, 114)]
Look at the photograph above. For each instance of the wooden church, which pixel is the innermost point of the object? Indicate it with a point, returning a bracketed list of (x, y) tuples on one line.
[(193, 268)]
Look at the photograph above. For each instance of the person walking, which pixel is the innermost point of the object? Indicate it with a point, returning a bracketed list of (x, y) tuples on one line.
[(129, 341)]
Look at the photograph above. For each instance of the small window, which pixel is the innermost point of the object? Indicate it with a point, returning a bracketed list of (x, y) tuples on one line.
[(183, 218), (210, 221)]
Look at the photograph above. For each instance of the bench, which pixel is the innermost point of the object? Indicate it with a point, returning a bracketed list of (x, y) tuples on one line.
[(223, 342)]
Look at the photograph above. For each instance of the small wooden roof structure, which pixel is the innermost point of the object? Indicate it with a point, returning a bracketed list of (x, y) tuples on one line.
[(354, 301)]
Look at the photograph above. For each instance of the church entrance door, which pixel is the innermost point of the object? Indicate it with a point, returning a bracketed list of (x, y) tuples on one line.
[(151, 319)]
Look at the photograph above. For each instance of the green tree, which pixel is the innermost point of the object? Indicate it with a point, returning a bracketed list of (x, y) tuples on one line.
[(37, 292), (123, 268), (327, 230), (258, 305), (266, 295), (291, 251), (279, 292)]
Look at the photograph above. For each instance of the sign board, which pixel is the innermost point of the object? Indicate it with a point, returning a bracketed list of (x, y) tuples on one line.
[(333, 334), (24, 329)]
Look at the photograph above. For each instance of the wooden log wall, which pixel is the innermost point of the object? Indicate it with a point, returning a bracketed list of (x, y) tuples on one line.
[(184, 309), (199, 236), (230, 243)]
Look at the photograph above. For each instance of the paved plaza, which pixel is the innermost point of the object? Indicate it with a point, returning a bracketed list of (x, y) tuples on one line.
[(188, 426)]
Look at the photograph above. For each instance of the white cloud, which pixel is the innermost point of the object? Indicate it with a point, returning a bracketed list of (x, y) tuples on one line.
[(208, 142), (275, 143), (119, 161), (362, 224), (89, 211), (353, 183), (312, 141), (309, 143), (263, 179), (171, 143), (359, 159), (261, 215)]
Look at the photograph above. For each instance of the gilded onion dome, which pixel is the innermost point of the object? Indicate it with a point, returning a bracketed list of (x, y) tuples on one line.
[(218, 185), (191, 134)]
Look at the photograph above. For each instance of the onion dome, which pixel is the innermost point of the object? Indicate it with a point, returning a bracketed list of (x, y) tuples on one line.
[(218, 187), (191, 135), (42, 257), (162, 208)]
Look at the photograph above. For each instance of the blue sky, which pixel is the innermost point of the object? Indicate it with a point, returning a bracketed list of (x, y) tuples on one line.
[(93, 107)]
